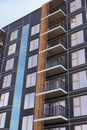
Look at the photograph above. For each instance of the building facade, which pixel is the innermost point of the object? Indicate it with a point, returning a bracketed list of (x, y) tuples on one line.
[(43, 69)]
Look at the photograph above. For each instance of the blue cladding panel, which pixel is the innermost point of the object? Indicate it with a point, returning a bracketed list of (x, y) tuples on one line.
[(14, 123)]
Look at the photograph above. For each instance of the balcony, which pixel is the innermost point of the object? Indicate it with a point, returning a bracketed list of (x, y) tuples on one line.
[(55, 46), (55, 14), (54, 88), (54, 67), (55, 3), (2, 32), (53, 114)]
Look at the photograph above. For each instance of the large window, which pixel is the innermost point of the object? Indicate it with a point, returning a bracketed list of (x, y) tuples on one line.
[(9, 64), (12, 49), (78, 57), (77, 38), (14, 35), (27, 123), (29, 100), (79, 80), (35, 29), (7, 81), (31, 80), (74, 5), (4, 99), (34, 44), (80, 105), (32, 61), (76, 20), (80, 127), (2, 119)]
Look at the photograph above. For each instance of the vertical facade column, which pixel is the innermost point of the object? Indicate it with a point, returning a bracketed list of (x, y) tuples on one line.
[(15, 115)]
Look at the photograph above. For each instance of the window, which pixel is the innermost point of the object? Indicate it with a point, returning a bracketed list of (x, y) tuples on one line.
[(7, 81), (31, 80), (78, 57), (4, 99), (2, 119), (32, 61), (80, 106), (9, 64), (35, 29), (29, 100), (34, 44), (80, 127), (79, 80), (76, 20), (74, 5), (11, 49), (77, 38), (27, 123), (14, 35)]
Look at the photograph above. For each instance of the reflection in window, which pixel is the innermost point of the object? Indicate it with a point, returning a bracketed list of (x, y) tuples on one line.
[(77, 38), (27, 123), (31, 80), (35, 29), (79, 80), (7, 81), (80, 127), (76, 20), (4, 99), (11, 49), (9, 64), (29, 100), (34, 44), (74, 5), (32, 61), (78, 57), (2, 119), (80, 105), (60, 128), (14, 35)]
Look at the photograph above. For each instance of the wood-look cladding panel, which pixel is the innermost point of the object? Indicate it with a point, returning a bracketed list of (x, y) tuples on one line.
[(39, 103)]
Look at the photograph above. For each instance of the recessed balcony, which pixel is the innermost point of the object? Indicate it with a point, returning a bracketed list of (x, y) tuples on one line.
[(55, 114), (54, 88), (54, 47), (54, 67), (55, 3), (2, 32), (55, 30)]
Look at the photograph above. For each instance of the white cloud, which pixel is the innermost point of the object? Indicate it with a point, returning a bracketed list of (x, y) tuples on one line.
[(11, 10)]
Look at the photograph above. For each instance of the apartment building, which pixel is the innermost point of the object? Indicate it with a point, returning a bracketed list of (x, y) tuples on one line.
[(43, 69)]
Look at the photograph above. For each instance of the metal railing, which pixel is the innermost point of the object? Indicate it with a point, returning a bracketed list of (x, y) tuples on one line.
[(56, 110), (54, 25), (55, 62), (56, 42), (55, 84)]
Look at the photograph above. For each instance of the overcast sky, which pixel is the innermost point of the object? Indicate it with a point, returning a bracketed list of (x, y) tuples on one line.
[(11, 10)]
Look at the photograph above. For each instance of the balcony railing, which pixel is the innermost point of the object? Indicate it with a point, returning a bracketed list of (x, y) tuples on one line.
[(52, 85), (55, 62), (57, 110), (56, 9), (55, 42), (55, 25)]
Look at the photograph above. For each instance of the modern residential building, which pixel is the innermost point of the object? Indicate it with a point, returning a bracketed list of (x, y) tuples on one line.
[(43, 69)]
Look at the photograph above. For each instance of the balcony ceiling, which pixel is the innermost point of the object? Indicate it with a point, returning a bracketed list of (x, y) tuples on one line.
[(2, 31), (54, 3), (56, 16)]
